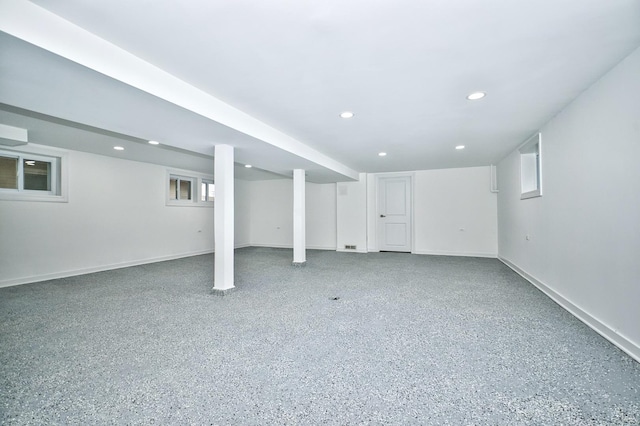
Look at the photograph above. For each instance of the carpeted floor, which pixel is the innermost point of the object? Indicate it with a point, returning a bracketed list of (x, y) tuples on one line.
[(410, 340)]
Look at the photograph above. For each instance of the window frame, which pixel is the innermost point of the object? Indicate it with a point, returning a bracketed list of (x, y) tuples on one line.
[(58, 160), (196, 179), (180, 179), (530, 150), (205, 192)]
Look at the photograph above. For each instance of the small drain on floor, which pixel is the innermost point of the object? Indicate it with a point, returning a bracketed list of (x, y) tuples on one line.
[(334, 298)]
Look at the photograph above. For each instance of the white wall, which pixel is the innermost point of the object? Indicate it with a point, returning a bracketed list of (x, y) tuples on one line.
[(321, 215), (443, 202), (584, 246), (116, 216), (272, 214), (455, 212), (351, 209), (242, 217)]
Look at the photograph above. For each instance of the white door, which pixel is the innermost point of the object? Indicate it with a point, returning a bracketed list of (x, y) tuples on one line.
[(394, 213)]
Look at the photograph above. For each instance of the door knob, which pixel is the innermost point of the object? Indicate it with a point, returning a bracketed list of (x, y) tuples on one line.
[(382, 215)]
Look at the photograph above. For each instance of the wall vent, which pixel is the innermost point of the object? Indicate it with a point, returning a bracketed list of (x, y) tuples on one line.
[(349, 247)]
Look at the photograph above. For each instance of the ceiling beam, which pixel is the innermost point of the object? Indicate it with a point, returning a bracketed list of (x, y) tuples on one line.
[(42, 28)]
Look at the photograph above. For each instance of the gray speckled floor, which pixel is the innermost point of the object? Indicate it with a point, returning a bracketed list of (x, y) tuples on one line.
[(411, 340)]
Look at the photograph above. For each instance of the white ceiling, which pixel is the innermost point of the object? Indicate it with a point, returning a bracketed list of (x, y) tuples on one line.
[(404, 67)]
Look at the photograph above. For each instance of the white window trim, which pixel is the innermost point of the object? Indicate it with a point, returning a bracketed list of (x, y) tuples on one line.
[(527, 149), (59, 162), (181, 178), (196, 184), (208, 182)]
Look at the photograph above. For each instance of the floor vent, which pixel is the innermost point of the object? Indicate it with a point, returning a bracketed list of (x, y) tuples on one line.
[(348, 247)]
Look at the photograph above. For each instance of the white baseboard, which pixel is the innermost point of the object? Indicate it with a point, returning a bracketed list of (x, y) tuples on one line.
[(100, 268), (341, 250), (289, 246), (453, 253), (626, 345)]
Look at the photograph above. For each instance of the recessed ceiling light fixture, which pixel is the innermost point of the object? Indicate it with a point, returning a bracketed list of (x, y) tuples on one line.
[(346, 114), (382, 154), (154, 143), (459, 147), (476, 95), (248, 166), (118, 148)]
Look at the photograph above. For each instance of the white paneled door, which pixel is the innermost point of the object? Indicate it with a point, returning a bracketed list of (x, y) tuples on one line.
[(394, 213)]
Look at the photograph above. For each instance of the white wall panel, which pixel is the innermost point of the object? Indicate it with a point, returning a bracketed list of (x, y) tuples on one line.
[(455, 212), (352, 214), (584, 232), (242, 213), (272, 214), (116, 216)]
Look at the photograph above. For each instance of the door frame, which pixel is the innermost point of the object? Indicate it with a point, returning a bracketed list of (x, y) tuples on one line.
[(411, 176)]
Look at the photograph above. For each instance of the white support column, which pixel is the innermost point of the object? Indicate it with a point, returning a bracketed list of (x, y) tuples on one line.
[(223, 219), (299, 236)]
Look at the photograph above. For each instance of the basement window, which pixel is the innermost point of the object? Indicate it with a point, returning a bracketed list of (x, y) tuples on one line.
[(207, 191), (185, 188), (531, 167), (180, 188), (30, 176)]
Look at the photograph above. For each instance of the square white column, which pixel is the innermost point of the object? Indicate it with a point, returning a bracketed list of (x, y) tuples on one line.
[(299, 236), (223, 219)]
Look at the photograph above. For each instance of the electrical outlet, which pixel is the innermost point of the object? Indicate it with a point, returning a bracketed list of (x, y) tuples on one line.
[(349, 247)]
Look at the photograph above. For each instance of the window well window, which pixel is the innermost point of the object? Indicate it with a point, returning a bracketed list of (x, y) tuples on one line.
[(30, 176), (37, 175), (207, 190), (189, 189), (180, 188), (531, 167), (9, 173)]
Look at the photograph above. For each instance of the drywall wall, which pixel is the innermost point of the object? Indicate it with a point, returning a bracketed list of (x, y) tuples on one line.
[(351, 208), (445, 201), (370, 213), (583, 234), (455, 212), (272, 214), (116, 216), (242, 217), (321, 215)]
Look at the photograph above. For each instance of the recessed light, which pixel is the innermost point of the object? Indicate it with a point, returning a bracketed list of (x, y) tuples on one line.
[(154, 143), (382, 154), (118, 148), (248, 166), (476, 95), (347, 114), (460, 147)]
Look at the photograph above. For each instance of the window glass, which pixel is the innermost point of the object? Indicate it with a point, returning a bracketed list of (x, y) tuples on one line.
[(34, 174), (207, 190), (173, 189), (188, 189), (531, 167), (37, 175), (8, 173), (185, 189)]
